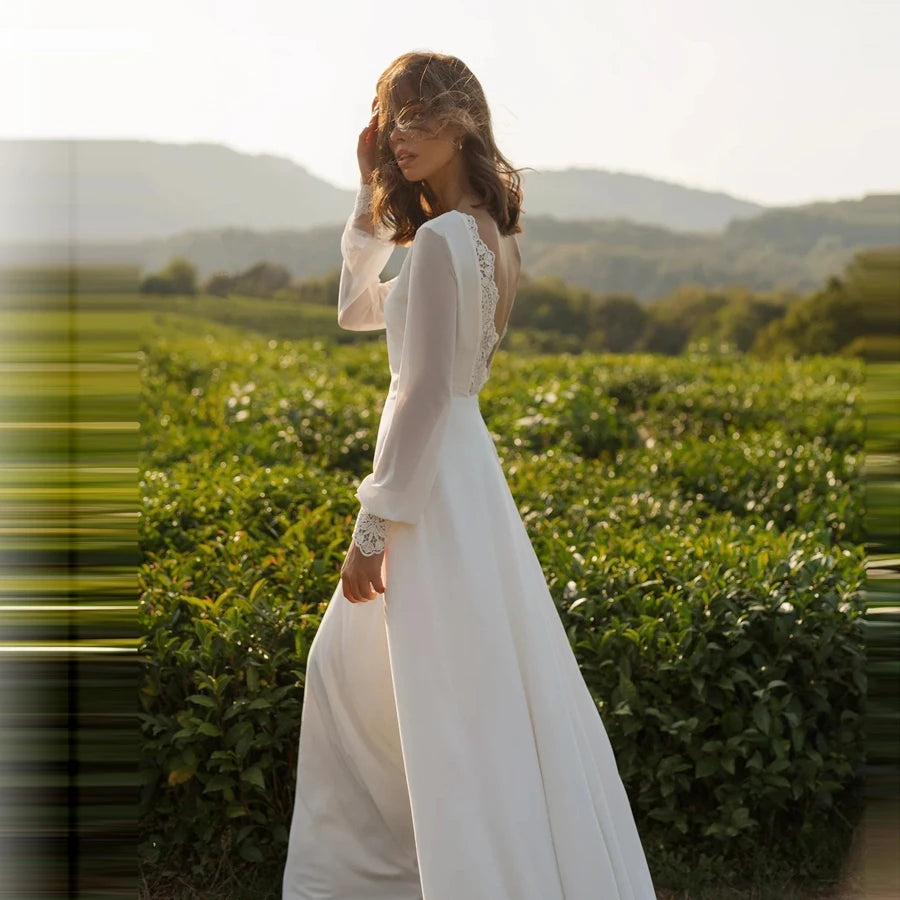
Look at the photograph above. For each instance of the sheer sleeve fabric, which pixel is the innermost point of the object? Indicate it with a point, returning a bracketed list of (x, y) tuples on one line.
[(366, 248), (405, 465)]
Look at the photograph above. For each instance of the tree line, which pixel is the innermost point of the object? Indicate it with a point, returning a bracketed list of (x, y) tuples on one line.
[(856, 313)]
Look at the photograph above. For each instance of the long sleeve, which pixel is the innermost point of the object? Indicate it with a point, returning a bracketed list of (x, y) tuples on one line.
[(366, 248), (405, 465)]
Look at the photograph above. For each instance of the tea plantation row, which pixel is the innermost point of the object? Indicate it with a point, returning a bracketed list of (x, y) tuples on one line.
[(699, 522)]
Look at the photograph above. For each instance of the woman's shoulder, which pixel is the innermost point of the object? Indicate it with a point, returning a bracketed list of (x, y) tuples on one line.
[(443, 224), (449, 226)]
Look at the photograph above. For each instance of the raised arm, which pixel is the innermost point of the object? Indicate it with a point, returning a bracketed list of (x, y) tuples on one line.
[(366, 248), (406, 463)]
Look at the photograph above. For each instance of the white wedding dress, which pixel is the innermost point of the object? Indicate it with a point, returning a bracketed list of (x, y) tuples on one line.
[(449, 747)]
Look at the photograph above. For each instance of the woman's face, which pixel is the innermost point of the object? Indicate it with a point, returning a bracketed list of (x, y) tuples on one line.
[(418, 146)]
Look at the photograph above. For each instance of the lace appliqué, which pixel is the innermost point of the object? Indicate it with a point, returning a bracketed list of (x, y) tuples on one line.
[(370, 532), (490, 296), (363, 200), (363, 208)]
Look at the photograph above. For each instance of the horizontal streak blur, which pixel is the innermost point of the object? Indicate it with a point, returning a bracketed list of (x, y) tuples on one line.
[(879, 863), (69, 440)]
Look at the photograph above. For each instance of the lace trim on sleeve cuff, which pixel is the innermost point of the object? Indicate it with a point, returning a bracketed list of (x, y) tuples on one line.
[(370, 533), (362, 212), (363, 200)]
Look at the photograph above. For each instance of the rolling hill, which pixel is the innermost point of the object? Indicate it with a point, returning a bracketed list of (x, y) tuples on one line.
[(144, 202)]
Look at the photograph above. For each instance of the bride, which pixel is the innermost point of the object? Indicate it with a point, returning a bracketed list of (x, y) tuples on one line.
[(449, 748)]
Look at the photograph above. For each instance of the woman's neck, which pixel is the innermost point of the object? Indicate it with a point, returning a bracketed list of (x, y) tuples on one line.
[(451, 188)]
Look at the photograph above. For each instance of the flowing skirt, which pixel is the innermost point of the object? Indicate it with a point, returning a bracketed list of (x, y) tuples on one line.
[(449, 747)]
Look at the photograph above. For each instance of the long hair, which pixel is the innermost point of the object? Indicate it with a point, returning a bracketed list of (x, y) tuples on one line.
[(451, 95)]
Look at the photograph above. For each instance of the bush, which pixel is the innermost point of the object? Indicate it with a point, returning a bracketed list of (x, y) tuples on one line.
[(219, 284), (179, 277), (728, 665), (235, 572), (261, 280), (698, 523), (156, 284)]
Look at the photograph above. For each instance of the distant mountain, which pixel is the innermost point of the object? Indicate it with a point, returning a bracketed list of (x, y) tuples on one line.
[(226, 211), (132, 190), (579, 193), (793, 247), (789, 248)]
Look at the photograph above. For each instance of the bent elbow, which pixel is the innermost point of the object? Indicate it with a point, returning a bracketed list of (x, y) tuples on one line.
[(350, 320)]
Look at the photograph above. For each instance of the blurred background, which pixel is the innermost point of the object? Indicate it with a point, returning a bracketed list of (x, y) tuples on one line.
[(705, 184)]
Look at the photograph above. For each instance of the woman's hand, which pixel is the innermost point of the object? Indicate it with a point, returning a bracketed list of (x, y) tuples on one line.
[(361, 575), (365, 147)]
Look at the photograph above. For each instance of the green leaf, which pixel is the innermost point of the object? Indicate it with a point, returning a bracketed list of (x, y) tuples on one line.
[(181, 775), (202, 700), (218, 783), (740, 816), (254, 776), (250, 852), (762, 718)]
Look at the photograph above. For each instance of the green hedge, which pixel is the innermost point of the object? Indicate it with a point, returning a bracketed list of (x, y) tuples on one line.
[(699, 523)]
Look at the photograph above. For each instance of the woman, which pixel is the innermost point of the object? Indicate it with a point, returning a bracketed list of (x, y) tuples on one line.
[(449, 747)]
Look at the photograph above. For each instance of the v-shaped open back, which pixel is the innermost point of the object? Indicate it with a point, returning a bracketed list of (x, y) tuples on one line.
[(497, 309)]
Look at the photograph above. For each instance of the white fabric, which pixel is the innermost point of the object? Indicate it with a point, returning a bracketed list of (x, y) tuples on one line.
[(406, 453), (366, 249), (449, 747), (370, 532)]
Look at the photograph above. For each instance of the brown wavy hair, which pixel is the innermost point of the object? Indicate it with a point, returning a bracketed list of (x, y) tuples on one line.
[(449, 94)]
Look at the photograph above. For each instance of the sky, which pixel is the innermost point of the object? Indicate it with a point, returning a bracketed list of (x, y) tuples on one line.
[(775, 101)]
